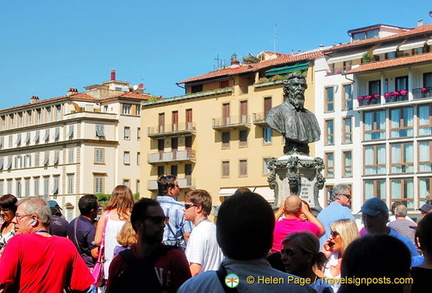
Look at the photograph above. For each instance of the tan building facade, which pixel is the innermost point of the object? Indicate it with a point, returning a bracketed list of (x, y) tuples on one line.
[(80, 143)]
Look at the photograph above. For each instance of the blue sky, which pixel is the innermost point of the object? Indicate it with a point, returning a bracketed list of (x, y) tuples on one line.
[(48, 46)]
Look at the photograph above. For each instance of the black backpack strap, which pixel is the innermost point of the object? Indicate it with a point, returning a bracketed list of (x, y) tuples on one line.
[(222, 273)]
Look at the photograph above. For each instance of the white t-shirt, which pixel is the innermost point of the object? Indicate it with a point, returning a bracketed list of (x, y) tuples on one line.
[(202, 247)]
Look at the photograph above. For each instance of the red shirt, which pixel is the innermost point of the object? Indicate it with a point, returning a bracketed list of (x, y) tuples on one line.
[(35, 263), (172, 269)]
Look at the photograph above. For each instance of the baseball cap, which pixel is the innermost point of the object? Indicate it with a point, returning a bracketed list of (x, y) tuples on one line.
[(53, 204), (425, 208), (374, 206)]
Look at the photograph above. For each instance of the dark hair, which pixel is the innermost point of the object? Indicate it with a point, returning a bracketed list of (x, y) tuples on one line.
[(55, 211), (9, 201), (164, 182), (375, 256), (423, 234), (87, 203), (139, 210), (201, 197), (245, 226)]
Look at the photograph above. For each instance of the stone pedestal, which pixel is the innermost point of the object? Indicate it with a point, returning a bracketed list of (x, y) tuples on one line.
[(296, 174)]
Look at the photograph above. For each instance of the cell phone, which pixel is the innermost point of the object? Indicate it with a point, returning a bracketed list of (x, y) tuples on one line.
[(331, 243)]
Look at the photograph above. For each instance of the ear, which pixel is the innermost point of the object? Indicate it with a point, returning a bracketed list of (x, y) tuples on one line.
[(199, 209)]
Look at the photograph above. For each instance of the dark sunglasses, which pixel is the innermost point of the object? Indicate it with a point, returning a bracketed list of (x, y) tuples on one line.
[(334, 233), (158, 219), (188, 205), (288, 251), (346, 195)]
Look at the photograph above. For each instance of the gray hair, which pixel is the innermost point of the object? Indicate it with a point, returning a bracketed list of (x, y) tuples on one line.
[(401, 210), (38, 207), (339, 189)]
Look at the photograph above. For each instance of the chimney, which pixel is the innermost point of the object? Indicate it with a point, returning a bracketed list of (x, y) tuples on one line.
[(72, 91), (419, 22), (34, 99), (113, 74)]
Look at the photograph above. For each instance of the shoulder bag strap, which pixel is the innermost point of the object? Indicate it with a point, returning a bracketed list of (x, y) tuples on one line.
[(102, 246), (76, 239), (222, 273)]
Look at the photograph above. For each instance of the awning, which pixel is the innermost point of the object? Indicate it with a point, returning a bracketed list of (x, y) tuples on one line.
[(429, 42), (412, 45), (287, 69), (265, 192), (343, 58), (385, 49)]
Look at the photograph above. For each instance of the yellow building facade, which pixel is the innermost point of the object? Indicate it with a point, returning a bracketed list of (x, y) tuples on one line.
[(215, 137)]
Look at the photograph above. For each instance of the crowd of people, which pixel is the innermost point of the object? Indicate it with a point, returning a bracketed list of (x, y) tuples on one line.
[(162, 245)]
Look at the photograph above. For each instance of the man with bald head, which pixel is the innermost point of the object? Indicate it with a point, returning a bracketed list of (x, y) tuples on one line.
[(293, 208)]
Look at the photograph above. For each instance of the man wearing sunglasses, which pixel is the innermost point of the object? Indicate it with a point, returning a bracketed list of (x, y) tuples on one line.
[(338, 209), (177, 230), (149, 266), (35, 261)]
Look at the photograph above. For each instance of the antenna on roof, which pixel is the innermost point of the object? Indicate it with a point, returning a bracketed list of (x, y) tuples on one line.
[(219, 62)]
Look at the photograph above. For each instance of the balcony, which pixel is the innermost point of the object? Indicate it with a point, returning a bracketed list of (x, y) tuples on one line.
[(174, 156), (171, 130), (369, 99), (422, 93), (233, 122), (396, 96), (185, 183), (259, 119)]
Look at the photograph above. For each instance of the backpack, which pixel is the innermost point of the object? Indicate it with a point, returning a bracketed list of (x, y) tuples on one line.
[(140, 275)]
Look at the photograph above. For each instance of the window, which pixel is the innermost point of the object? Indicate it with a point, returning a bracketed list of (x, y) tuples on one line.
[(99, 184), (56, 157), (137, 110), (174, 119), (26, 187), (126, 182), (71, 132), (174, 170), (126, 158), (425, 120), (46, 159), (243, 111), (10, 140), (70, 183), (424, 190), (329, 132), (36, 139), (189, 123), (267, 134), (402, 122), (225, 114), (18, 140), (425, 151), (138, 133), (347, 97), (226, 137), (347, 163), (224, 84), (138, 187), (18, 188), (161, 122), (126, 133), (138, 158), (46, 187), (37, 160), (375, 159), (401, 84), (196, 88), (47, 134), (71, 156), (402, 158), (375, 188), (329, 162), (374, 125), (329, 99), (243, 168), (9, 186), (402, 190), (347, 130), (243, 134), (56, 185), (127, 109), (160, 170), (27, 161), (27, 139), (1, 187), (225, 168), (36, 185), (1, 163), (99, 156), (267, 106), (100, 130)]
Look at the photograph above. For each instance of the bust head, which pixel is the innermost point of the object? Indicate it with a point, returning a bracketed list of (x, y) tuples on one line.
[(294, 88)]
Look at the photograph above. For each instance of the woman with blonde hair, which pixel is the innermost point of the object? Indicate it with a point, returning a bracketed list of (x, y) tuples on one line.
[(126, 238), (117, 212), (342, 233)]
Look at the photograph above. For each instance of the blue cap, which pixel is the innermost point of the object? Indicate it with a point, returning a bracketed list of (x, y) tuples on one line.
[(374, 206)]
